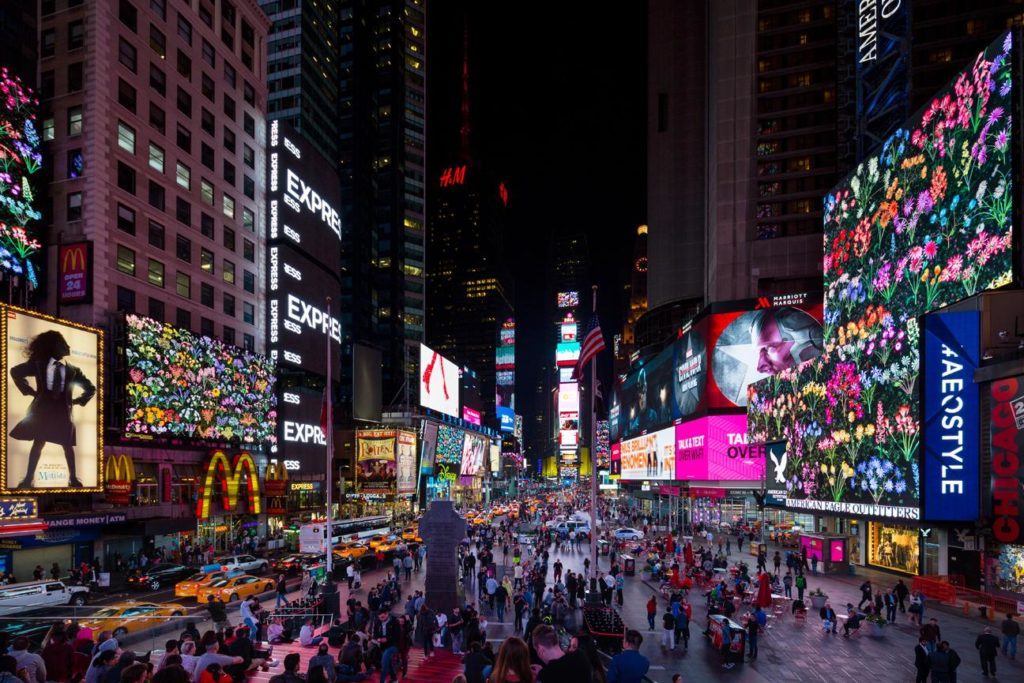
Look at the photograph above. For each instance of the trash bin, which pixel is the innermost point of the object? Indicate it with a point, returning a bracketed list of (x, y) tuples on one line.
[(629, 565)]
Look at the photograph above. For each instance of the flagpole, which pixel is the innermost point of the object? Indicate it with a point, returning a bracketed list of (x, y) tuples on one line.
[(330, 459), (593, 453)]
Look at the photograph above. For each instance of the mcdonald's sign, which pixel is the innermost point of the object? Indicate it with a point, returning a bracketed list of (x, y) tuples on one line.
[(119, 479), (75, 272), (229, 474), (275, 480)]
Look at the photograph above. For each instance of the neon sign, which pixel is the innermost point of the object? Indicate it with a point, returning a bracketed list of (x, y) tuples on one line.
[(229, 475), (453, 175)]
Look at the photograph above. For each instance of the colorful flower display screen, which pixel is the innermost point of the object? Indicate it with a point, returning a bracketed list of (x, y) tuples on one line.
[(19, 159), (925, 223), (187, 386)]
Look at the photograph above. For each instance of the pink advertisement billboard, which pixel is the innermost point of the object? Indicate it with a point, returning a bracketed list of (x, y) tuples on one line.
[(715, 448)]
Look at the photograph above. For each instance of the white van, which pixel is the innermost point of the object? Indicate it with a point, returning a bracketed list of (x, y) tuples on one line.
[(18, 597)]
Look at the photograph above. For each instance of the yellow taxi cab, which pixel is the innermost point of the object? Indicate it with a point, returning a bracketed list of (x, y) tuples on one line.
[(389, 546), (189, 587), (130, 617), (234, 588), (377, 541), (353, 550), (481, 520), (411, 534)]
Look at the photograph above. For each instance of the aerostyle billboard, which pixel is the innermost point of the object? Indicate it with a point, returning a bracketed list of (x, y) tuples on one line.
[(439, 383), (53, 404)]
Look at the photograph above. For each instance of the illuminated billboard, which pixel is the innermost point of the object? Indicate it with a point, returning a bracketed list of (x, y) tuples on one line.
[(474, 449), (566, 354), (569, 397), (53, 404), (439, 383), (408, 465), (568, 299), (300, 438), (505, 366), (448, 448), (376, 464), (188, 386), (690, 371), (20, 158), (716, 448), (651, 456), (926, 222), (506, 418)]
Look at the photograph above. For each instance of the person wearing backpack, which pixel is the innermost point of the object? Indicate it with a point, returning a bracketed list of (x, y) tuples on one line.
[(682, 624), (801, 586)]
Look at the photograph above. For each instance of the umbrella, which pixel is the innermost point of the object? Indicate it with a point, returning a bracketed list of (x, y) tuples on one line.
[(764, 591)]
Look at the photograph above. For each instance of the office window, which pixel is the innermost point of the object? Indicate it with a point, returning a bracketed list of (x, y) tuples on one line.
[(206, 327), (159, 8), (76, 163), (75, 121), (205, 14), (206, 155), (125, 260), (183, 176), (76, 34), (248, 342), (126, 137), (229, 206), (48, 129), (249, 187), (156, 309), (125, 300), (206, 226), (74, 206), (184, 65), (229, 108), (184, 139), (206, 294), (184, 102), (156, 235), (75, 77), (249, 251), (209, 54), (125, 177), (229, 140), (207, 87), (229, 335), (157, 80), (230, 77), (229, 172), (249, 124), (156, 273), (183, 211), (183, 319), (183, 284), (156, 195), (229, 272), (184, 29), (183, 249), (206, 191), (125, 95), (248, 156), (208, 123), (249, 93), (157, 118), (157, 41), (48, 84), (128, 15), (206, 261), (229, 305), (248, 313), (249, 281), (125, 219), (156, 158), (229, 238), (47, 43), (127, 55)]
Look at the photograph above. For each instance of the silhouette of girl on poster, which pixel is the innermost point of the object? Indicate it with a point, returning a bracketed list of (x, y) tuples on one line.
[(48, 419)]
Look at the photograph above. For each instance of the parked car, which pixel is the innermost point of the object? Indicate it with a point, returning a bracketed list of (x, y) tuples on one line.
[(628, 534), (156, 576), (246, 563), (18, 597), (126, 617)]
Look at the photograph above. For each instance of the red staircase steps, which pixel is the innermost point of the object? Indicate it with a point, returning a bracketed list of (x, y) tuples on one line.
[(441, 668)]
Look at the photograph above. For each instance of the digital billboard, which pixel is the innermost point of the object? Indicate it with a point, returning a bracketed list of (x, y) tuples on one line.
[(951, 435), (566, 354), (407, 474), (616, 461), (439, 383), (53, 404), (474, 449), (568, 299), (1005, 504), (506, 419), (689, 371), (428, 447), (449, 445), (376, 465), (602, 447), (924, 223), (568, 397), (650, 389), (651, 456), (300, 439), (505, 366), (303, 253), (716, 448), (189, 386), (20, 158)]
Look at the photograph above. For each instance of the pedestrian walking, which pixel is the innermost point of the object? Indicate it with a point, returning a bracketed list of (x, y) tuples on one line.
[(282, 590), (921, 662), (891, 601), (752, 630), (652, 611), (787, 585), (901, 591), (668, 633), (801, 586), (987, 645), (1011, 629), (865, 594)]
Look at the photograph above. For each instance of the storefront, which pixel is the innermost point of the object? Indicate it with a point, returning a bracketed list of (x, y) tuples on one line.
[(68, 541), (895, 548), (1009, 574)]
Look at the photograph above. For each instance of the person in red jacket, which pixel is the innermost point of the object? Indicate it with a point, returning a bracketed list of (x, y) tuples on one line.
[(57, 655), (652, 611)]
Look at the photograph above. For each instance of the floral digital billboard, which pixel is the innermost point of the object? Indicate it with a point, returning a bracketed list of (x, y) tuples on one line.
[(188, 386), (19, 158), (922, 224)]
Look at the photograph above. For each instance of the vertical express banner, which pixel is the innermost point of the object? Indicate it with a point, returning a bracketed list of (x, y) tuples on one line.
[(1006, 498), (952, 417)]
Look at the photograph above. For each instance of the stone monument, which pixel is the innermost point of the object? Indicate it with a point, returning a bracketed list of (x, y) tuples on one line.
[(442, 529)]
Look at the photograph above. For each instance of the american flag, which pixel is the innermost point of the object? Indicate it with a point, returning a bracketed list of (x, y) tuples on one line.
[(593, 344)]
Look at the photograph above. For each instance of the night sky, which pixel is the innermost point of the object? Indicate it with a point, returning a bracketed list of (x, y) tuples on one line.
[(558, 96)]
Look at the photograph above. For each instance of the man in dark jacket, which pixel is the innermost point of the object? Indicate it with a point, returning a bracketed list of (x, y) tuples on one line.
[(987, 645), (921, 662), (474, 664), (629, 666), (828, 618)]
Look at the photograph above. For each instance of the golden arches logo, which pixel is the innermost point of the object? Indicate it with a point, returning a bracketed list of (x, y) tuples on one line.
[(120, 468), (275, 471), (229, 474), (75, 259)]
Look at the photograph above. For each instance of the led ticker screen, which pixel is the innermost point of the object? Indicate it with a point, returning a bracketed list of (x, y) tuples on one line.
[(189, 386), (439, 383), (924, 223), (568, 299)]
